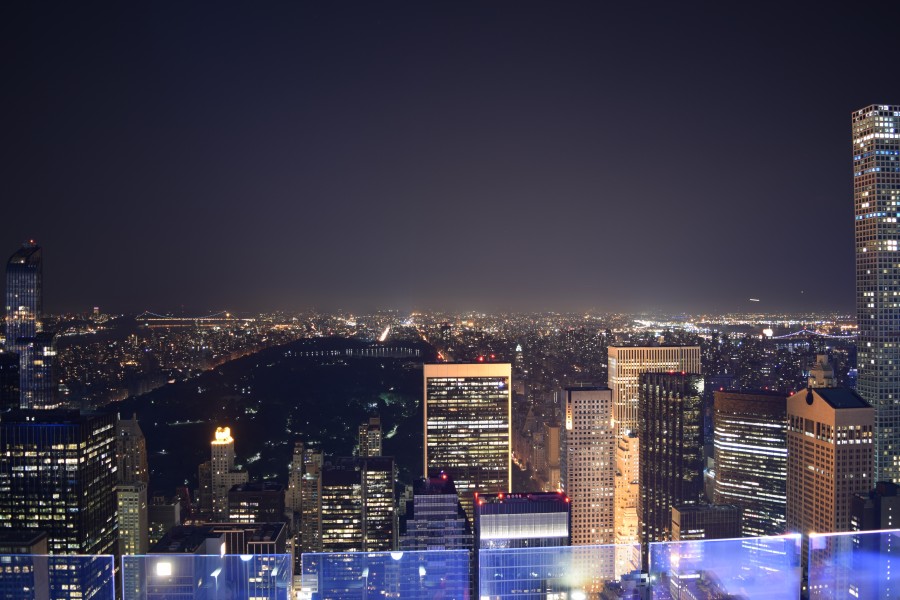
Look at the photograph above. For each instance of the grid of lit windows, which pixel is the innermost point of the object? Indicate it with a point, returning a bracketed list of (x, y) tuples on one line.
[(876, 197), (751, 458), (467, 426)]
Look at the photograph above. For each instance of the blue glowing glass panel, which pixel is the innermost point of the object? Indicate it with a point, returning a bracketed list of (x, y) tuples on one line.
[(765, 568), (854, 565), (201, 577), (421, 575)]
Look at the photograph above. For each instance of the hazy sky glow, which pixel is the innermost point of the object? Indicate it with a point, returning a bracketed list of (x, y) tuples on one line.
[(437, 154)]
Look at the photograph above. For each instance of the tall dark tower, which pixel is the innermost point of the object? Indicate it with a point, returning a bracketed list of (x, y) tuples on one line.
[(24, 294), (876, 200), (671, 451)]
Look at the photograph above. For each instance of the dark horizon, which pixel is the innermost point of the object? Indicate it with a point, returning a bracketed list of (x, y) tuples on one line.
[(481, 156)]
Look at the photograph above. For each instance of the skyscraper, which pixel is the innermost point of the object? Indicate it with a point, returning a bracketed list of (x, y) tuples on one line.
[(750, 439), (37, 379), (131, 452), (876, 199), (256, 502), (24, 294), (223, 475), (829, 457), (57, 473), (435, 519), (468, 426), (626, 366), (357, 512), (310, 498), (370, 437), (134, 525), (589, 463), (671, 451)]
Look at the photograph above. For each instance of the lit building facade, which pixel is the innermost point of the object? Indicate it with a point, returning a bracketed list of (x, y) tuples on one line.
[(223, 475), (370, 437), (24, 294), (310, 499), (626, 366), (134, 526), (37, 368), (627, 491), (876, 200), (358, 512), (534, 520), (750, 440), (830, 451), (58, 475), (589, 463), (518, 521), (671, 451), (435, 519), (705, 522), (468, 426), (256, 502)]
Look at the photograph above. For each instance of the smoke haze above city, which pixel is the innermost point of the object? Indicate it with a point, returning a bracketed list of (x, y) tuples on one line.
[(473, 155)]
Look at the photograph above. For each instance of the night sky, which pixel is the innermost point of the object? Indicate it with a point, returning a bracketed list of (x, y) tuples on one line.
[(484, 155)]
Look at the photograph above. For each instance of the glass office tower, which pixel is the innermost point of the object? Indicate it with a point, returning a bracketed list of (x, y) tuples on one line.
[(468, 426), (876, 200), (24, 294)]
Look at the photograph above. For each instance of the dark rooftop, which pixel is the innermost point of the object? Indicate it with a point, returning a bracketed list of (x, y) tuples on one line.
[(841, 397)]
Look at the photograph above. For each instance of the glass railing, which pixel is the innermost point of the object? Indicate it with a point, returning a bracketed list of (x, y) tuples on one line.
[(767, 568), (559, 572), (855, 565), (840, 566), (57, 577), (226, 577), (413, 575)]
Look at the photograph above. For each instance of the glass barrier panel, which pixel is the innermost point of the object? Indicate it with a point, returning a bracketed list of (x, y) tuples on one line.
[(559, 572), (766, 568), (207, 577), (412, 575), (57, 577), (854, 565)]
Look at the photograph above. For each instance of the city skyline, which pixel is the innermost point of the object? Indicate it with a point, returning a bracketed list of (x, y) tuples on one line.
[(328, 156)]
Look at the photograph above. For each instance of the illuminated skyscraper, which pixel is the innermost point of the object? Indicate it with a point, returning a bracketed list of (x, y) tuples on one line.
[(358, 513), (256, 502), (37, 380), (628, 363), (876, 199), (468, 426), (589, 463), (134, 532), (626, 366), (519, 521), (671, 451), (223, 475), (310, 498), (57, 474), (370, 437), (829, 457), (24, 294), (435, 519), (750, 438)]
